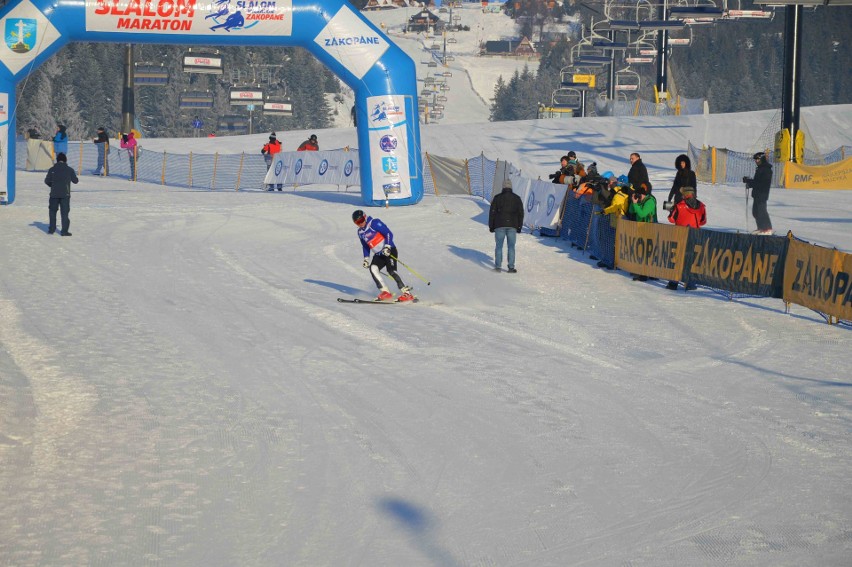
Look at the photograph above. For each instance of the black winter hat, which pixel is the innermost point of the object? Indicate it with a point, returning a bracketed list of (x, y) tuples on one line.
[(759, 155), (571, 154), (61, 157)]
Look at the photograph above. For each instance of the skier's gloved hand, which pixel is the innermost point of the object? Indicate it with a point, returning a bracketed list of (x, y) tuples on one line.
[(366, 263), (386, 251)]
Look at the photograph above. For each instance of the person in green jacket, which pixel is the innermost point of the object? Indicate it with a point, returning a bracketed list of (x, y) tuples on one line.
[(643, 207)]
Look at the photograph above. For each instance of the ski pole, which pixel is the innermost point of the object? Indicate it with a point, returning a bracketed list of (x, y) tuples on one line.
[(410, 270)]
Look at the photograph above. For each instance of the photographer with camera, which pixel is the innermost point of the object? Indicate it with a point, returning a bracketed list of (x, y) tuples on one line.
[(565, 173), (684, 177), (759, 185)]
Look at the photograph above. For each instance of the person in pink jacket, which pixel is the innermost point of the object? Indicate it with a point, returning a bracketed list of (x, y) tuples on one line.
[(128, 142)]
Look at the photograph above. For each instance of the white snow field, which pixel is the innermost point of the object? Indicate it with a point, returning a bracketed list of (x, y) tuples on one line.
[(179, 385)]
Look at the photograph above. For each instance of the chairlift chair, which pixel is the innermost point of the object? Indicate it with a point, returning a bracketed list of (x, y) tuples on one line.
[(566, 98), (246, 95), (149, 75), (278, 107), (627, 80), (195, 99), (204, 63)]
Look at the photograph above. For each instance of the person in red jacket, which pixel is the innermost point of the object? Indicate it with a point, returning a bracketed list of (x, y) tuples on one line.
[(688, 212), (272, 147), (309, 145)]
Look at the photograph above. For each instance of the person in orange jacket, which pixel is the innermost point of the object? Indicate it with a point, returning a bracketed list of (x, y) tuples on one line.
[(272, 147), (309, 145)]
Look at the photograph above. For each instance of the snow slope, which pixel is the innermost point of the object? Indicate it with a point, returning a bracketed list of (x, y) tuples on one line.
[(178, 385)]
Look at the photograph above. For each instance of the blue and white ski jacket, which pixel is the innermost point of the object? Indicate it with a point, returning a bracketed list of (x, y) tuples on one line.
[(374, 235)]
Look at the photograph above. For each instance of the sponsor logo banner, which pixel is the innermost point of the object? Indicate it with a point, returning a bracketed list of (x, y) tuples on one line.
[(332, 167), (741, 263), (543, 202), (210, 17), (819, 278), (353, 43), (651, 249), (833, 176), (26, 33), (388, 127)]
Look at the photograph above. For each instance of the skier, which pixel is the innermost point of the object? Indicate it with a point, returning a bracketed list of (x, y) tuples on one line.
[(375, 236), (269, 150)]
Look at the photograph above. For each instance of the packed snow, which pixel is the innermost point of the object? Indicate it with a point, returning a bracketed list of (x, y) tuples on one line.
[(179, 385)]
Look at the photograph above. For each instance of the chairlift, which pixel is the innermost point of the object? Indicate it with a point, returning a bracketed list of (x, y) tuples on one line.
[(638, 60), (426, 92), (608, 45), (627, 80), (278, 107), (442, 10), (435, 47), (195, 99), (204, 63), (567, 98), (149, 75), (432, 64), (246, 95), (452, 40), (446, 74), (445, 87), (441, 98), (697, 12), (449, 58), (577, 85), (661, 25), (429, 80), (438, 106), (232, 123)]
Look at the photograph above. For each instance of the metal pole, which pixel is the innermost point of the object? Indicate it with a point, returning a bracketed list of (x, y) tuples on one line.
[(127, 98), (662, 51), (790, 105), (610, 89)]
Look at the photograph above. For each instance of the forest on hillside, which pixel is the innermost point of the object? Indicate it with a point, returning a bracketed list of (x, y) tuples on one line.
[(81, 87), (736, 65)]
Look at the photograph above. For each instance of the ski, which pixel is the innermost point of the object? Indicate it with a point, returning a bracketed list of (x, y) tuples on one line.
[(344, 300)]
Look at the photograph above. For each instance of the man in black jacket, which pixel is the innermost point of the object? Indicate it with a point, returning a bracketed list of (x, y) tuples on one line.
[(638, 175), (59, 178), (505, 219), (102, 143), (759, 185)]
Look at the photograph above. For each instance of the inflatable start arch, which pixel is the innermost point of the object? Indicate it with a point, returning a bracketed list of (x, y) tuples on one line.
[(381, 75)]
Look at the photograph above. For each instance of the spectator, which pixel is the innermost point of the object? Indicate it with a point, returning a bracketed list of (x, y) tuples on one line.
[(505, 220), (617, 208), (128, 142), (309, 145), (579, 168), (272, 147), (638, 174), (642, 208), (60, 141), (688, 212), (59, 178), (212, 134), (32, 134), (564, 174), (102, 143), (684, 177), (759, 185)]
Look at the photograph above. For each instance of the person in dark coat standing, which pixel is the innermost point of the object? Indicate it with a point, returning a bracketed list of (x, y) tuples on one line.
[(759, 185), (102, 143), (684, 177), (505, 219), (59, 178), (638, 175)]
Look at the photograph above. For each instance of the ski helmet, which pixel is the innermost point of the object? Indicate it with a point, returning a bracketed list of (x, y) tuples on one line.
[(358, 216)]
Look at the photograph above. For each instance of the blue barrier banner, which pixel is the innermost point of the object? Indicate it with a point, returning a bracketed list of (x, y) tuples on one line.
[(741, 263)]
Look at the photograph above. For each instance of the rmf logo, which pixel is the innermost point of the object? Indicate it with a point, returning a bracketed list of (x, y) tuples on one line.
[(799, 178)]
